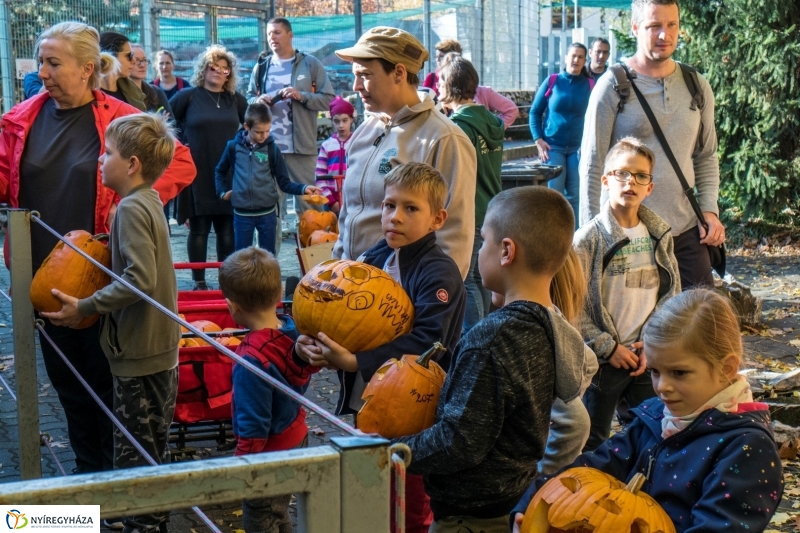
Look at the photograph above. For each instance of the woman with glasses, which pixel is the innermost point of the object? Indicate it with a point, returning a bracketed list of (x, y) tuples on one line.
[(154, 98), (208, 115), (49, 145), (166, 79), (556, 121), (117, 83)]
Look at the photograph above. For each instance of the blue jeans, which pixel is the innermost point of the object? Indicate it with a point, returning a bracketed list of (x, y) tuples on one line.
[(244, 227), (478, 298), (568, 182)]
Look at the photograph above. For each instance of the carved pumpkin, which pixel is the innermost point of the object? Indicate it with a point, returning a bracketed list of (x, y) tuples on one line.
[(66, 270), (320, 237), (588, 500), (315, 199), (357, 305), (402, 395), (313, 220)]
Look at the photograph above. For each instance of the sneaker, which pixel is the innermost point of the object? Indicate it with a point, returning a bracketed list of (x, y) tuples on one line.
[(112, 523), (200, 286)]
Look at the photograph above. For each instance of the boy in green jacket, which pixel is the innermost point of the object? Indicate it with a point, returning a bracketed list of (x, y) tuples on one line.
[(458, 82), (142, 347)]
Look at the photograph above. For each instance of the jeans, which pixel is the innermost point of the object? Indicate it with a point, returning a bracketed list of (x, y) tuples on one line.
[(89, 428), (245, 226), (693, 261), (568, 182), (478, 298), (197, 243), (609, 387)]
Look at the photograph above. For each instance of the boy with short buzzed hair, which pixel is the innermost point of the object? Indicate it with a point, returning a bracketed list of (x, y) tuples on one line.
[(628, 252), (412, 211), (264, 419), (493, 415), (141, 346), (250, 174)]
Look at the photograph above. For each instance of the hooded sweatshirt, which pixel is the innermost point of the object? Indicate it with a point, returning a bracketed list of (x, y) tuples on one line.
[(721, 473), (493, 414), (414, 134), (485, 131)]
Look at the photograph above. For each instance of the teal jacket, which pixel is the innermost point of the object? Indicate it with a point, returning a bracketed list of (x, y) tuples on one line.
[(485, 130)]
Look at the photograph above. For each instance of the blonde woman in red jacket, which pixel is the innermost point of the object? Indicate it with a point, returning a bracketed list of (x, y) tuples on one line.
[(49, 149)]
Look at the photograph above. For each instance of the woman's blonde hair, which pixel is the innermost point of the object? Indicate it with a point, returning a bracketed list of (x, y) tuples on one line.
[(700, 322), (83, 43), (568, 289), (209, 56)]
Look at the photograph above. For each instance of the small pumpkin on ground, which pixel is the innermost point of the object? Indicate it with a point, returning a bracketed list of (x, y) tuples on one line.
[(588, 500), (401, 397), (357, 305), (69, 272), (312, 220)]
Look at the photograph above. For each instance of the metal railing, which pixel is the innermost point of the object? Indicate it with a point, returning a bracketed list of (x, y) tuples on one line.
[(343, 487)]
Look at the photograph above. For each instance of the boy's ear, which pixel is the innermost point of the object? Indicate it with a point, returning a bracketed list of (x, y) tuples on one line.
[(604, 180), (509, 252), (649, 188), (134, 165), (232, 307), (439, 219)]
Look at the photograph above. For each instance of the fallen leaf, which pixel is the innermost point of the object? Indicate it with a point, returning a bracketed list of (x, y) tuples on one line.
[(317, 431), (780, 518), (788, 449), (237, 513)]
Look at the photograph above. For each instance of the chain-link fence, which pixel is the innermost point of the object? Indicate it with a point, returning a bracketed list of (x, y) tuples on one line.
[(499, 36)]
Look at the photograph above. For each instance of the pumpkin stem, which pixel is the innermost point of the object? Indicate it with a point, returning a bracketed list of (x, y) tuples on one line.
[(425, 358), (635, 483)]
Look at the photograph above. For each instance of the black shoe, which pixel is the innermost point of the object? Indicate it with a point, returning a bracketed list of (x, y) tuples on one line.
[(291, 285), (200, 286), (112, 523)]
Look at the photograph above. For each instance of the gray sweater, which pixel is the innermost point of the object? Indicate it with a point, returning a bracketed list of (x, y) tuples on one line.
[(493, 414), (671, 103), (596, 243), (137, 339)]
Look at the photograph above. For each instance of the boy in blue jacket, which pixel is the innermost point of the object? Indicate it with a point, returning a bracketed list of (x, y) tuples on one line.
[(263, 419), (258, 172), (413, 209)]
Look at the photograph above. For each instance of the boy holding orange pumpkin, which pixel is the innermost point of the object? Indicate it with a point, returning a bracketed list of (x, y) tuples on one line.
[(142, 347), (250, 175), (493, 414), (412, 211), (263, 419)]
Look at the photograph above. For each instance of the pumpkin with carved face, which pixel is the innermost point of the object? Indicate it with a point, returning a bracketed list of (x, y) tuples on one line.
[(313, 220), (402, 395), (357, 305), (584, 500)]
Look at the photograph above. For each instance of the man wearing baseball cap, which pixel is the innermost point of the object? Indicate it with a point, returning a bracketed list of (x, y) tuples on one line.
[(399, 128)]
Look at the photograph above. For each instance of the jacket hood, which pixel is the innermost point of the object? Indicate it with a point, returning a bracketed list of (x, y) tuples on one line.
[(483, 121), (567, 344), (753, 416)]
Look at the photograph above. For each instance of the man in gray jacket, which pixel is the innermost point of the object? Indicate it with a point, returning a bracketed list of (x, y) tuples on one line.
[(688, 128), (400, 129), (296, 87)]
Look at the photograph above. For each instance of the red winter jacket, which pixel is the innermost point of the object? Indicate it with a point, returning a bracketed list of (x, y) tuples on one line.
[(18, 122)]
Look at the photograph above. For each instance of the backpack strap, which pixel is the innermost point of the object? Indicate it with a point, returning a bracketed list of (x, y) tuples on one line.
[(591, 83), (690, 77), (179, 82), (551, 81), (621, 84), (261, 63)]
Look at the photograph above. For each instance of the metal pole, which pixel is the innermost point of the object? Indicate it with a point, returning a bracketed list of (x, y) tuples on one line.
[(358, 20), (212, 30), (7, 58), (147, 27), (426, 34), (19, 233), (576, 14)]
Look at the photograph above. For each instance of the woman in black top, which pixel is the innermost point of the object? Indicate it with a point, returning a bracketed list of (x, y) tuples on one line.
[(117, 84), (208, 115)]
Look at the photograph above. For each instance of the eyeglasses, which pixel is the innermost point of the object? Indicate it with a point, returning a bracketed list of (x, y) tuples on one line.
[(224, 71), (129, 55), (624, 175), (141, 62)]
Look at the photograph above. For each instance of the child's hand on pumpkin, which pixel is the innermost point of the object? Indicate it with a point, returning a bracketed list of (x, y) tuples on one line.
[(69, 315), (517, 522), (336, 355)]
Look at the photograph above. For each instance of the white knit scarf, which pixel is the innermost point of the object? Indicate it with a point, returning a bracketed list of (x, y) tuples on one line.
[(727, 401)]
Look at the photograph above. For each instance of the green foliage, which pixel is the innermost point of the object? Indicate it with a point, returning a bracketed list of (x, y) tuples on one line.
[(626, 43), (749, 53)]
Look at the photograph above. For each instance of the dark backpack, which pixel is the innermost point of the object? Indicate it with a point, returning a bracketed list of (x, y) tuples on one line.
[(551, 81)]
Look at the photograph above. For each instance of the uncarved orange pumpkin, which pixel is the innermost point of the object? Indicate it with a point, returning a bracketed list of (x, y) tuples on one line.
[(313, 220), (588, 500), (66, 270), (357, 305), (401, 397), (320, 237)]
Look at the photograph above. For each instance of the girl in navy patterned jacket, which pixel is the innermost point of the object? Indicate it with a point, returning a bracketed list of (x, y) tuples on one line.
[(705, 447)]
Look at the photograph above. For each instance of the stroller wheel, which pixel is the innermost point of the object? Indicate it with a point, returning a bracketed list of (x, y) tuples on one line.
[(291, 285)]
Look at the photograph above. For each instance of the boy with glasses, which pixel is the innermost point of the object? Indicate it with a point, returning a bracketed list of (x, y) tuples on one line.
[(628, 253)]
